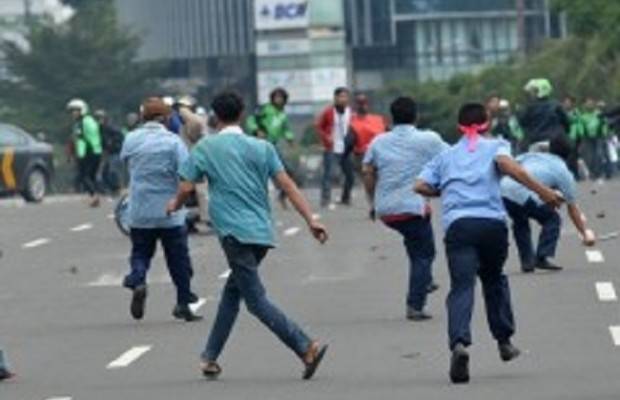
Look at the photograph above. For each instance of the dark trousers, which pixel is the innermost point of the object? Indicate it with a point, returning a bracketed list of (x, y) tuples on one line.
[(244, 284), (88, 167), (550, 222), (329, 158), (478, 246), (420, 245), (176, 251)]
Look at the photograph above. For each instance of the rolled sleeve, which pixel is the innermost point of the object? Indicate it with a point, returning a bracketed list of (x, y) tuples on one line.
[(503, 149), (190, 170)]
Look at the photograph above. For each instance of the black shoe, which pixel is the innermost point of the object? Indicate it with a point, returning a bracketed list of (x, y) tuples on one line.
[(545, 265), (459, 366), (184, 312), (527, 268), (137, 302), (508, 352), (5, 374), (193, 298), (433, 287), (313, 360), (417, 315)]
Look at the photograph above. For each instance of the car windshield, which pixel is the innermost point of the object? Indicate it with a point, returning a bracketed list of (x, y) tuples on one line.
[(11, 135)]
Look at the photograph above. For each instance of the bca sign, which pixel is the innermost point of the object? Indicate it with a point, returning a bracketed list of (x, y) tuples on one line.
[(281, 14)]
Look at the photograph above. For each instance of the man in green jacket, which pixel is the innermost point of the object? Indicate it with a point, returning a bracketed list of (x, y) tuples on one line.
[(271, 123), (88, 148), (576, 133), (595, 138)]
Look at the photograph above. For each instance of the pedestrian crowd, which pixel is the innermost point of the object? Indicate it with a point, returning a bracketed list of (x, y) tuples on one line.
[(504, 166)]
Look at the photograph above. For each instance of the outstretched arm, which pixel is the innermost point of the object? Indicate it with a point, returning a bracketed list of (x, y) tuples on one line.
[(576, 217), (301, 205)]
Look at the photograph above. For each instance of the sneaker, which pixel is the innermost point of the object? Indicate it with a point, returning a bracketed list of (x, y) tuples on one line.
[(459, 366), (528, 268), (417, 315), (508, 352), (185, 313), (546, 265), (138, 301)]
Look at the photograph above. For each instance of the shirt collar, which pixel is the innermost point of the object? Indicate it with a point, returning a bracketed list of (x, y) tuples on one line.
[(232, 129), (404, 128)]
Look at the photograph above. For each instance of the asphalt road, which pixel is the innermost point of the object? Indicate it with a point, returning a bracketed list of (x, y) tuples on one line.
[(64, 319)]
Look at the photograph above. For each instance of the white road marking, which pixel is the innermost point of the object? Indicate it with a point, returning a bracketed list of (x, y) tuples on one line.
[(36, 243), (111, 216), (129, 357), (615, 334), (595, 256), (60, 398), (224, 275), (116, 280), (606, 291), (331, 207), (197, 305), (81, 228), (292, 231)]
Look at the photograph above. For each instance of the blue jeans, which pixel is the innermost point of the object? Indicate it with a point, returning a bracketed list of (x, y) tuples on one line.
[(420, 245), (244, 284), (329, 158), (478, 246), (549, 220), (176, 251)]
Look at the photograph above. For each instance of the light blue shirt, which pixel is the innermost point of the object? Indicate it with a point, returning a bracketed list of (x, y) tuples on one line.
[(238, 168), (154, 155), (548, 169), (399, 156), (469, 182)]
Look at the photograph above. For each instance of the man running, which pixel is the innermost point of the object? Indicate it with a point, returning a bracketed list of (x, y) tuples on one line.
[(467, 177), (332, 126), (391, 165), (522, 205), (238, 168), (88, 148), (154, 155)]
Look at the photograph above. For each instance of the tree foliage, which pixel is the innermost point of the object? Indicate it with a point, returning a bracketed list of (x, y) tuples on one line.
[(89, 57)]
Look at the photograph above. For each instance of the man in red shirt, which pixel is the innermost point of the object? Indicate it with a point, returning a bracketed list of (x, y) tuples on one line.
[(364, 128), (332, 126)]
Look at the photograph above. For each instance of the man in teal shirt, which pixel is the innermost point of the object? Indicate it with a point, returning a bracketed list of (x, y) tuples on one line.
[(271, 123), (238, 168)]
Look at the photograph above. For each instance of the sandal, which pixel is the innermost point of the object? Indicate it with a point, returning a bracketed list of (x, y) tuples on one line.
[(313, 359), (210, 370)]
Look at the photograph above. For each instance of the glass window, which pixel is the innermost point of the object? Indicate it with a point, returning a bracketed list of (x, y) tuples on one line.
[(12, 136)]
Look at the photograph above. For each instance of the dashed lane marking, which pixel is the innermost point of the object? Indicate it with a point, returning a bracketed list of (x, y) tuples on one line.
[(129, 357), (60, 398), (292, 231), (606, 291), (595, 256), (615, 334), (81, 228), (36, 243)]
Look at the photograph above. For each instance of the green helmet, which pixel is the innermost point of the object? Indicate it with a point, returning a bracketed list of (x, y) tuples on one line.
[(540, 87)]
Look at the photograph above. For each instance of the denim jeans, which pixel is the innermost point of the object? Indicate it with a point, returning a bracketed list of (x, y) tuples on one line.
[(548, 218), (420, 245), (478, 246), (244, 284), (176, 251), (329, 158)]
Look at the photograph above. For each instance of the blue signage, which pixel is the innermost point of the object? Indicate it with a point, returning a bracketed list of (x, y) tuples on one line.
[(285, 11)]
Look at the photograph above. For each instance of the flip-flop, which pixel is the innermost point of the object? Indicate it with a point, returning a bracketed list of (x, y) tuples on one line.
[(211, 371), (314, 365)]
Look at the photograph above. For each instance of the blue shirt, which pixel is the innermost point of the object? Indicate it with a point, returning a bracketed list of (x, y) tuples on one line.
[(154, 155), (548, 169), (399, 156), (469, 182), (238, 168)]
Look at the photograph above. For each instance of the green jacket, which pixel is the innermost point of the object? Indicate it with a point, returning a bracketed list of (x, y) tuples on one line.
[(87, 137), (272, 121), (577, 128), (594, 125)]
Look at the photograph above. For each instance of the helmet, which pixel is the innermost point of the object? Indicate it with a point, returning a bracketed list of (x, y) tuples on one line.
[(168, 100), (78, 104), (504, 104), (186, 101), (540, 87)]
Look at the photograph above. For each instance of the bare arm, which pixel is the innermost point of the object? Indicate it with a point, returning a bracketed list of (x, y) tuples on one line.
[(301, 205), (194, 125), (370, 181), (576, 217), (184, 192), (513, 169), (425, 189)]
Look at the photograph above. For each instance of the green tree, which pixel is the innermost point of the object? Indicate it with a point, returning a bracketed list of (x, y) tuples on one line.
[(89, 57)]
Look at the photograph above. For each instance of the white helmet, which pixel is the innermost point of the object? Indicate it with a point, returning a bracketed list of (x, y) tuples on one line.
[(168, 100), (78, 104)]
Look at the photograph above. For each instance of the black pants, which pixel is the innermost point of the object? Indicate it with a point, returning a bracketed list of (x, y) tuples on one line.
[(478, 247), (344, 160), (87, 173)]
